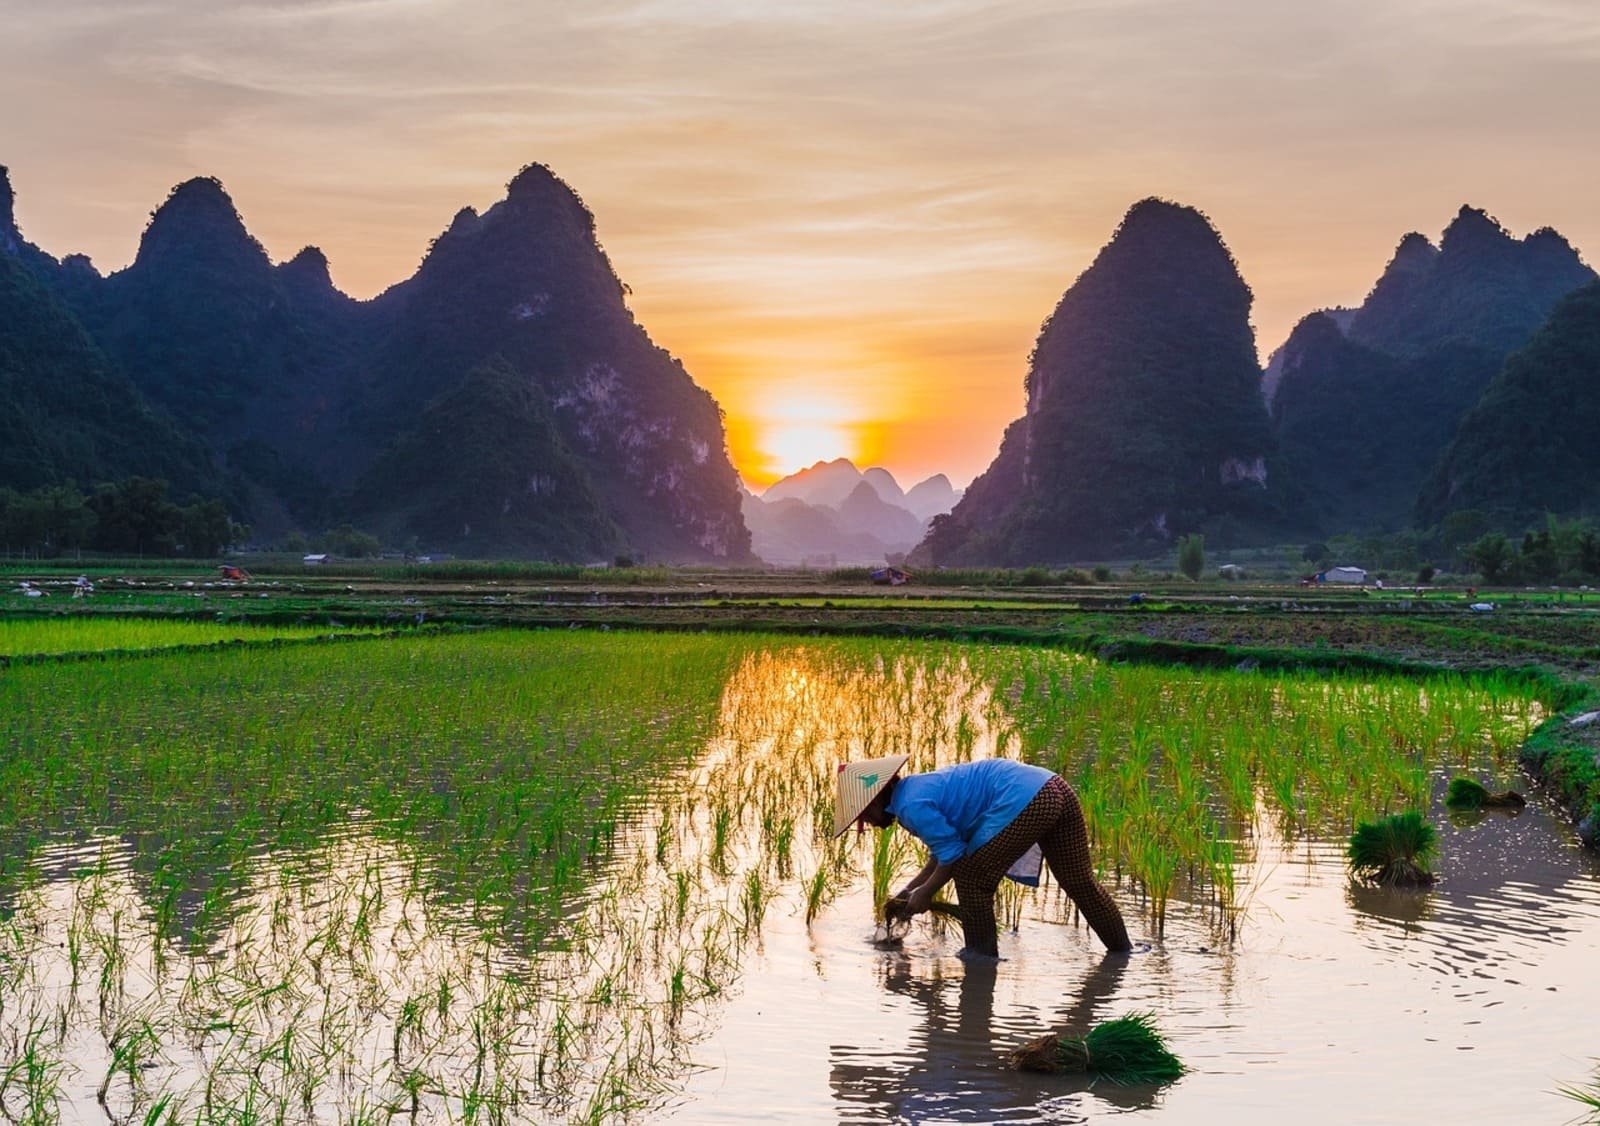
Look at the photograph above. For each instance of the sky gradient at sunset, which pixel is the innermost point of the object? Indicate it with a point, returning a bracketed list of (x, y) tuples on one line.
[(847, 219)]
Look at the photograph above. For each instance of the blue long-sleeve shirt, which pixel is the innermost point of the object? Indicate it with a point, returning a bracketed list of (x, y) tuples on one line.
[(957, 809)]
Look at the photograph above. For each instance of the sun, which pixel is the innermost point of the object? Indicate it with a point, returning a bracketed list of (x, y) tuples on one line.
[(791, 445)]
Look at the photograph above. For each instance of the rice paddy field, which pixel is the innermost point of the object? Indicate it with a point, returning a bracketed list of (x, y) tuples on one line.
[(54, 636), (505, 875)]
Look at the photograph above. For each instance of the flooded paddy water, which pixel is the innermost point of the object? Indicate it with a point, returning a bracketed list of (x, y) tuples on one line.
[(553, 877)]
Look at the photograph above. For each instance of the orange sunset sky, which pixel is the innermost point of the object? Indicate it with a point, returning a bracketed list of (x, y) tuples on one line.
[(847, 218)]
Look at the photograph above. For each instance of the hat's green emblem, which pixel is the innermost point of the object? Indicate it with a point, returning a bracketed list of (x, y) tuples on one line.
[(869, 779)]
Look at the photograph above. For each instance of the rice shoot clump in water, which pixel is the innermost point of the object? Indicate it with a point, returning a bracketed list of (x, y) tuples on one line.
[(1469, 793), (1394, 851), (1126, 1051)]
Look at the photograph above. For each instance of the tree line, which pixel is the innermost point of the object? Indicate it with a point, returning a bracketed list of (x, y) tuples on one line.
[(1469, 541), (136, 516)]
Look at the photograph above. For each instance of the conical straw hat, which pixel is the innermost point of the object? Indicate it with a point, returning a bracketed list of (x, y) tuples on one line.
[(859, 783)]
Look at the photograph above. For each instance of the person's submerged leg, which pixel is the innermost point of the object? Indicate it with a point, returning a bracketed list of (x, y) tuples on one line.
[(975, 889), (1066, 849)]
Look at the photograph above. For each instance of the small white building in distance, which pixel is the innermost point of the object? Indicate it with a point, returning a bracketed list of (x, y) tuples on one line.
[(1344, 575)]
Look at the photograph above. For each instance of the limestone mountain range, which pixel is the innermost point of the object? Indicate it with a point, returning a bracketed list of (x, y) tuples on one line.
[(504, 401)]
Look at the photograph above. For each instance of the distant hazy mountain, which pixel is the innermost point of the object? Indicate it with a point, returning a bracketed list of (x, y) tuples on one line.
[(855, 516), (1144, 415), (884, 485), (865, 510), (826, 483), (789, 532), (1529, 445), (1366, 404), (503, 401), (830, 482), (932, 497)]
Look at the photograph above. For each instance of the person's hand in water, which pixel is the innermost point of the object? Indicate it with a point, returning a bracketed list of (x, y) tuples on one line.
[(919, 902)]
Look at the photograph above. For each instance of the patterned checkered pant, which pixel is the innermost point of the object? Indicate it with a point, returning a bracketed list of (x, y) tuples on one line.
[(1054, 821)]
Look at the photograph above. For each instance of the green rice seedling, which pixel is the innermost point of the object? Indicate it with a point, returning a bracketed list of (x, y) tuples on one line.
[(1468, 794), (681, 885), (96, 634), (131, 1044), (754, 901), (678, 988), (1586, 1096), (36, 1075), (783, 848), (409, 1022), (663, 835), (1394, 851), (1284, 787), (818, 891), (889, 851), (163, 1111), (1127, 1050), (894, 911), (721, 827), (414, 1083)]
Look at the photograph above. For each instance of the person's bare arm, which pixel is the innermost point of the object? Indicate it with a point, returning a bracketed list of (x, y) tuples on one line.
[(919, 879), (920, 898)]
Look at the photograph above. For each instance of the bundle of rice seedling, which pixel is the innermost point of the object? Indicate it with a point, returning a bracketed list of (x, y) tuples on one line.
[(896, 922), (1126, 1050), (894, 908), (1394, 851), (1468, 793)]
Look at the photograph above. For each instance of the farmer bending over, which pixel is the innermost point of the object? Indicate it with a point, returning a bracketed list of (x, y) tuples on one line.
[(978, 819)]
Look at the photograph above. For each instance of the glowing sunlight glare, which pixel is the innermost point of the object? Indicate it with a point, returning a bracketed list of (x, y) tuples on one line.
[(791, 445)]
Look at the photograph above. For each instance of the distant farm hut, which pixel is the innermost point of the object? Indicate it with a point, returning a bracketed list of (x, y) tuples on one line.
[(1353, 575), (1231, 571), (891, 576)]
